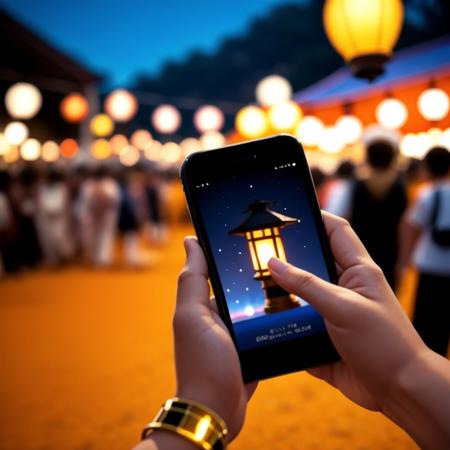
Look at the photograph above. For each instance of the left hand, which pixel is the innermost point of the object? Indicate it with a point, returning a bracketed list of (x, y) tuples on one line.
[(207, 363)]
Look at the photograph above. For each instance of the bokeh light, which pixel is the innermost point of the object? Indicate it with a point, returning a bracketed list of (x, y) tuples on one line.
[(153, 151), (211, 140), (30, 150), (251, 122), (140, 138), (50, 151), (101, 125), (350, 128), (285, 116), (74, 108), (129, 156), (444, 139), (101, 149), (16, 132), (391, 113), (4, 144), (166, 119), (273, 90), (121, 105), (68, 148), (433, 104), (23, 100), (171, 152), (118, 142), (208, 118), (309, 130), (330, 140), (12, 155), (190, 145)]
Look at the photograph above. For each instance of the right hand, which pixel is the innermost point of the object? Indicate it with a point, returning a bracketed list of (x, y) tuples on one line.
[(366, 323)]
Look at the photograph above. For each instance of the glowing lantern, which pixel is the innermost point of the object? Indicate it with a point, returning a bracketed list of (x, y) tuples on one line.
[(23, 100), (364, 32), (190, 145), (140, 138), (330, 140), (444, 139), (251, 122), (121, 105), (153, 151), (350, 128), (15, 133), (391, 113), (208, 118), (118, 142), (309, 130), (408, 145), (101, 149), (101, 125), (211, 140), (285, 116), (12, 155), (68, 148), (166, 119), (433, 104), (74, 108), (171, 152), (4, 145), (50, 151), (30, 150), (262, 230), (129, 156), (273, 90)]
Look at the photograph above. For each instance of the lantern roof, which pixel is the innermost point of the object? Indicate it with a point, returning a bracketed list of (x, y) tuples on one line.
[(261, 217)]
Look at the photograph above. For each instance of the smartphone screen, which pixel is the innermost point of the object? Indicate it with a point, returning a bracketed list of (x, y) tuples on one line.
[(251, 211)]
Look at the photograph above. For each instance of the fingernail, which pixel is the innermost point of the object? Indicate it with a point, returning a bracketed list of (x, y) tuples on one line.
[(277, 266), (187, 244)]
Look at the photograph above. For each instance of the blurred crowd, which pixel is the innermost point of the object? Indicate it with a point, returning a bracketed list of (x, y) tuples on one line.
[(54, 216)]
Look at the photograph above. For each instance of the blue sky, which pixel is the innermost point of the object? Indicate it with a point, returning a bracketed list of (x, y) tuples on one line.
[(122, 38)]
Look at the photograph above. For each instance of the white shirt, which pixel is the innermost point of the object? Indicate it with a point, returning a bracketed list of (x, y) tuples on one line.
[(430, 257)]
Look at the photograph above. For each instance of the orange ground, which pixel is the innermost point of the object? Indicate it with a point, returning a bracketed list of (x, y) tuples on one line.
[(86, 360)]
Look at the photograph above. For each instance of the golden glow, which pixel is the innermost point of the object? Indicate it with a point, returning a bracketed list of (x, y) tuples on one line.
[(391, 113), (350, 129), (358, 28), (129, 156), (121, 105), (211, 140), (285, 116), (190, 145), (208, 118), (23, 100), (101, 125), (50, 151), (118, 142), (444, 139), (166, 119), (273, 90), (68, 148), (140, 138), (171, 152), (265, 249), (30, 150), (330, 140), (433, 104), (153, 151), (309, 130), (15, 133), (12, 155), (74, 108), (101, 149), (4, 145), (251, 122), (202, 428)]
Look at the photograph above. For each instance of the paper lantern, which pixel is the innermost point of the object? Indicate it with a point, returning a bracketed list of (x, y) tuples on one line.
[(190, 145), (140, 138), (285, 116), (166, 119), (364, 32), (391, 113), (211, 140), (129, 156), (15, 133), (153, 151), (68, 148), (30, 150), (433, 104), (309, 130), (251, 122), (74, 108), (50, 151), (121, 105), (208, 118), (23, 100), (350, 128), (273, 90), (330, 140), (101, 149), (101, 125)]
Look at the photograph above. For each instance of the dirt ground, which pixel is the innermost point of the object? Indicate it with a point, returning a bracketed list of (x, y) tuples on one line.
[(86, 360)]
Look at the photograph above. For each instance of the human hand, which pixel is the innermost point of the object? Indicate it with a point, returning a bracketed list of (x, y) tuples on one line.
[(207, 363), (366, 323)]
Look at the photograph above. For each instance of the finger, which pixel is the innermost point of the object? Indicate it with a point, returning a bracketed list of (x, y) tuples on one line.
[(346, 247), (193, 288), (213, 304), (250, 388), (330, 300)]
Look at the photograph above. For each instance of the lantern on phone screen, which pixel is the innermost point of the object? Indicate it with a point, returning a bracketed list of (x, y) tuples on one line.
[(262, 230)]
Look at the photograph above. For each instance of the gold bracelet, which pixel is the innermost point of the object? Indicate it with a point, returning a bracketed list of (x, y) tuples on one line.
[(191, 420)]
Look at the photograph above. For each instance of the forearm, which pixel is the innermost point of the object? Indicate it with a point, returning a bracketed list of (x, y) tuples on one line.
[(166, 440), (420, 403)]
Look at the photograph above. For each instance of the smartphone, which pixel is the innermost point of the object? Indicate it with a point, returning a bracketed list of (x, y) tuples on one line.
[(249, 202)]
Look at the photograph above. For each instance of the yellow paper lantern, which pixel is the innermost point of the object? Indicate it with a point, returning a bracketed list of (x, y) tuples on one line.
[(140, 138), (285, 116), (30, 150), (101, 125), (16, 132), (101, 149), (364, 32), (68, 148), (50, 151), (273, 90), (129, 156), (391, 113), (166, 119), (211, 140), (309, 130), (350, 128), (433, 104), (251, 122), (23, 100), (74, 108), (121, 105)]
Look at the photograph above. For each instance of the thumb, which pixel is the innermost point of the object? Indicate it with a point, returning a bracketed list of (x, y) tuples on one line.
[(193, 288), (327, 298)]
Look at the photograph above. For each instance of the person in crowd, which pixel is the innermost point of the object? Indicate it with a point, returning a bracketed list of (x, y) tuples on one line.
[(52, 218), (98, 211), (6, 222), (385, 366), (156, 227), (425, 235), (415, 179), (319, 178), (374, 204), (342, 177)]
